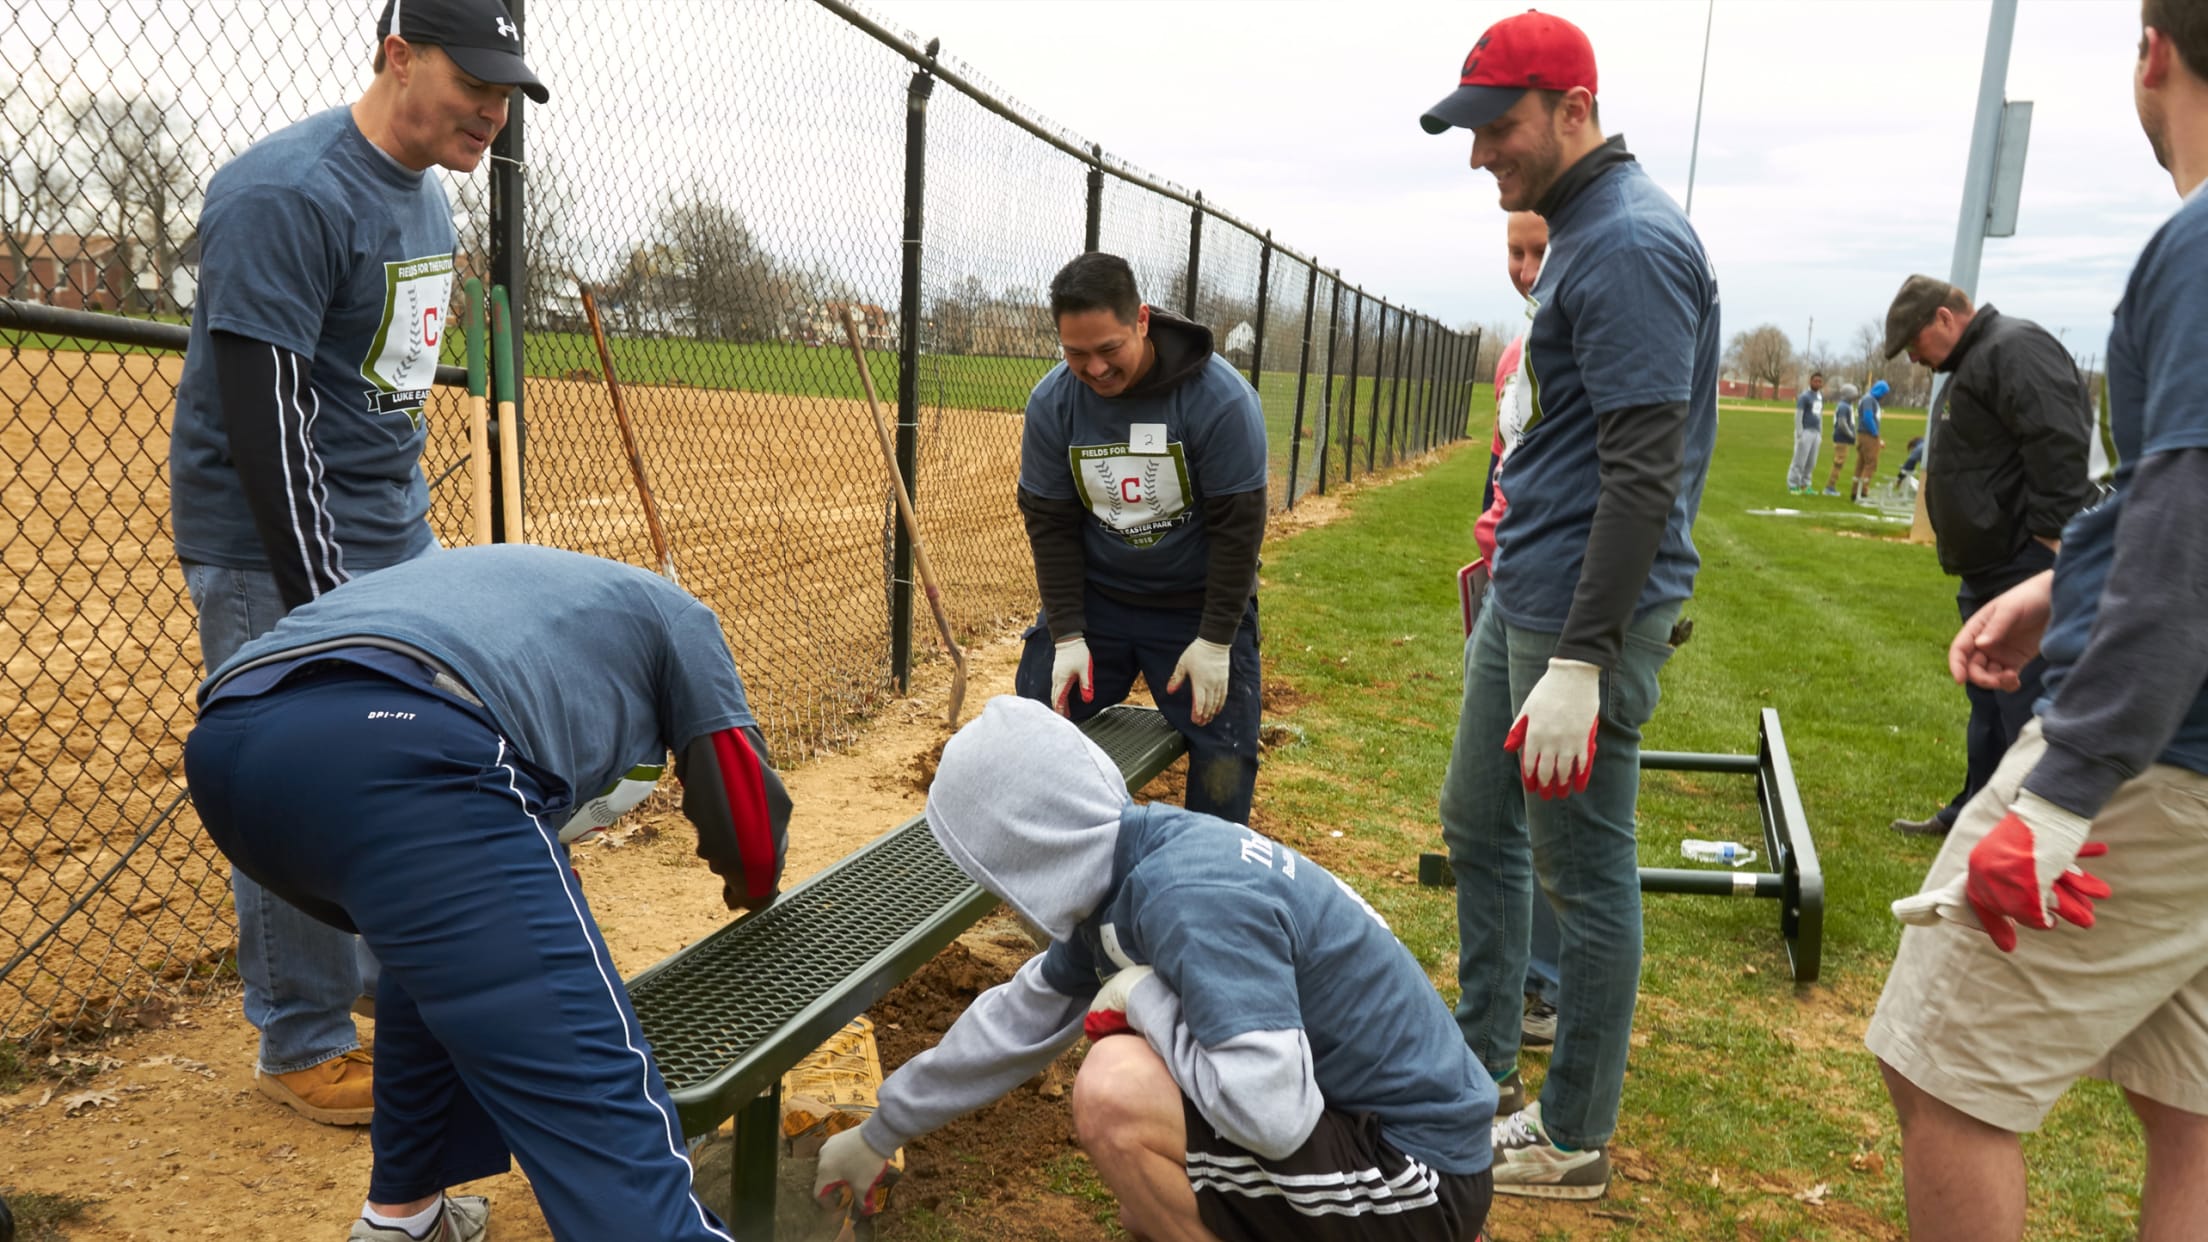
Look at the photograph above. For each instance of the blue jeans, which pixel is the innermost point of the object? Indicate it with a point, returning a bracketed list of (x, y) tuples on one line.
[(1580, 848), (1996, 716), (1125, 641), (301, 976), (1543, 948)]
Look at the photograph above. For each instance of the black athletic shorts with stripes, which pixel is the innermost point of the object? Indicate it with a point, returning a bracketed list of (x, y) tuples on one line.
[(1345, 1183)]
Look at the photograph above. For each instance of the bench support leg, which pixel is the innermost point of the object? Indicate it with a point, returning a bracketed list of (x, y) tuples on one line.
[(752, 1171)]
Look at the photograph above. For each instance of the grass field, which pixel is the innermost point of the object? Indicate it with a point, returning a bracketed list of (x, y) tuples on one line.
[(1745, 1091)]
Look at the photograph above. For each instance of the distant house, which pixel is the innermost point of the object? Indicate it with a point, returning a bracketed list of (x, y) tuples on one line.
[(67, 270), (822, 324)]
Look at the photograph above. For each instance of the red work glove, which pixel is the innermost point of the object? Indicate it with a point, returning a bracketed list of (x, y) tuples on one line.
[(2022, 872), (1554, 736), (1108, 1012)]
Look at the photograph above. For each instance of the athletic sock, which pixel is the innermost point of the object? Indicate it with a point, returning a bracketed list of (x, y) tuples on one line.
[(416, 1226)]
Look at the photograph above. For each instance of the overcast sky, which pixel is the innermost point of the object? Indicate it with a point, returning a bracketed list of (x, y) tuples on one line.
[(1833, 136)]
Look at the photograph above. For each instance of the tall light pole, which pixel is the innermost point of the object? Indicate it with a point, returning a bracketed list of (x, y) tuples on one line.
[(1694, 152)]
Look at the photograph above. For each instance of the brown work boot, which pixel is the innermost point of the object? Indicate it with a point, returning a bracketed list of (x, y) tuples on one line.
[(338, 1092)]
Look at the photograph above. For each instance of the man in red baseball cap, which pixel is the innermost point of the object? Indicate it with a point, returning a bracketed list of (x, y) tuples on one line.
[(1592, 562)]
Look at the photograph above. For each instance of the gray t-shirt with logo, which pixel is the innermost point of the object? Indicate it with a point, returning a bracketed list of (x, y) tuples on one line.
[(319, 243), (1142, 466), (589, 666)]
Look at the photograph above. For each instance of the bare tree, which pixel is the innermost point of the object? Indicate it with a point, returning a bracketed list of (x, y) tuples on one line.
[(719, 271), (1762, 355), (142, 183), (37, 185)]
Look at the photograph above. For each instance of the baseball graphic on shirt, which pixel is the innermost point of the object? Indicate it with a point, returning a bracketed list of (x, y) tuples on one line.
[(402, 359), (1138, 496)]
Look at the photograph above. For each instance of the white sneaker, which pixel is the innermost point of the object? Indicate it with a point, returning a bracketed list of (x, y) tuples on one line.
[(1538, 1028), (1527, 1163)]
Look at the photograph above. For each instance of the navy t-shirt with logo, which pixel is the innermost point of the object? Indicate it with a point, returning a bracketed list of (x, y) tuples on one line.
[(1628, 317), (316, 241), (1141, 466)]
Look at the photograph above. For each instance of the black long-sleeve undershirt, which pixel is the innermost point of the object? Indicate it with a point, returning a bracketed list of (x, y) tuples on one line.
[(1642, 450), (268, 410)]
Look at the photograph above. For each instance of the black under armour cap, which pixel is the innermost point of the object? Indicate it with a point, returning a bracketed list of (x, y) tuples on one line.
[(479, 35)]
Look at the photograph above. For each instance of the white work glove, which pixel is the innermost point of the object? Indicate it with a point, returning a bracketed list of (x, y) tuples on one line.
[(1071, 662), (1554, 734), (1108, 1012), (2022, 872), (1204, 667), (847, 1163)]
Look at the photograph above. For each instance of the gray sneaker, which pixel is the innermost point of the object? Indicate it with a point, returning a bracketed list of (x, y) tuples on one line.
[(1529, 1164), (1539, 1027), (1510, 1095), (466, 1218)]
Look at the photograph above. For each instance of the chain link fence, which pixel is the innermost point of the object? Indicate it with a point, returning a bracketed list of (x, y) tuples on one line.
[(727, 207)]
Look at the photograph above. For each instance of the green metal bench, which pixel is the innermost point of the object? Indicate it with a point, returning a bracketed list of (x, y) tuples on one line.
[(1797, 881), (730, 1014)]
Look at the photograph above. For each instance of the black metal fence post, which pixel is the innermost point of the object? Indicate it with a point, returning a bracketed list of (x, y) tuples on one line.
[(1356, 350), (1195, 253), (1303, 379), (1472, 377), (1092, 234), (509, 266), (1455, 412), (908, 370), (1395, 382), (1264, 292), (1429, 377), (1379, 360), (1326, 390)]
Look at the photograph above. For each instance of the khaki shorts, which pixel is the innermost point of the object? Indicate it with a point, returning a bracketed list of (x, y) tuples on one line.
[(2001, 1036)]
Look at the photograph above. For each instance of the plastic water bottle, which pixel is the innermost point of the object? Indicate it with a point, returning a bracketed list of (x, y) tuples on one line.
[(1730, 852)]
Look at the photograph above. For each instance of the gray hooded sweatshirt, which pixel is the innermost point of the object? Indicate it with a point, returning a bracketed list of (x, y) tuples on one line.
[(1260, 956)]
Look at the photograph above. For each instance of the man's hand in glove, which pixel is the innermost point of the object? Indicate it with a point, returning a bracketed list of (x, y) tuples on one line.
[(847, 1164), (1108, 1012), (1069, 663), (1554, 735), (2022, 872), (1204, 667)]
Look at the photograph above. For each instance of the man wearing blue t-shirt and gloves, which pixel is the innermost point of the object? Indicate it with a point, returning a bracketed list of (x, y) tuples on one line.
[(1142, 482), (1867, 440), (325, 273), (408, 757), (1983, 1027), (1292, 1074), (1593, 560)]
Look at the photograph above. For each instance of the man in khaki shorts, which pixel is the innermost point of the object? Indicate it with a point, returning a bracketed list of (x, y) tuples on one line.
[(1980, 1029)]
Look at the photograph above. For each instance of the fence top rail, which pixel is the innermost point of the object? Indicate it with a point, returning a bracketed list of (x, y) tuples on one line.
[(123, 330), (1091, 154)]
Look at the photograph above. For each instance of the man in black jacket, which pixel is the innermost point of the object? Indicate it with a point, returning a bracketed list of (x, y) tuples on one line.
[(2006, 456)]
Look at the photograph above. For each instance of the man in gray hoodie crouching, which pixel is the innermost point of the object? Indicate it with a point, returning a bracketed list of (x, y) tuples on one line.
[(1294, 1074)]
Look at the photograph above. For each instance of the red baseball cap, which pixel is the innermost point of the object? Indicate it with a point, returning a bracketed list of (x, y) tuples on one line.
[(1532, 51)]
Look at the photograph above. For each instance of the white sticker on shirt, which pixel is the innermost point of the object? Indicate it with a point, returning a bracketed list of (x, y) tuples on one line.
[(1137, 496), (619, 798), (402, 358), (1146, 437)]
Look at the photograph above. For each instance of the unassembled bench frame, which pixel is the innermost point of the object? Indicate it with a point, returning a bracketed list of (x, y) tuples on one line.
[(1797, 882), (728, 1015)]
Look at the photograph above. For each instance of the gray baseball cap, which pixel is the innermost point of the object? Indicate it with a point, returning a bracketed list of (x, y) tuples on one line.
[(1913, 307)]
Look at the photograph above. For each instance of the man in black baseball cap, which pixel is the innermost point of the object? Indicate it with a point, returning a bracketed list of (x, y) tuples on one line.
[(325, 276), (479, 36)]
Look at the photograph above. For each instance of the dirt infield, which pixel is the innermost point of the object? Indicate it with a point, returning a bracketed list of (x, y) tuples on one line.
[(776, 508)]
